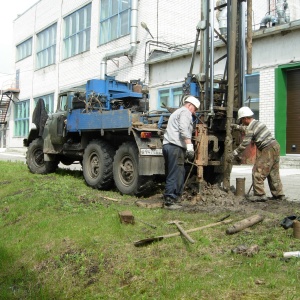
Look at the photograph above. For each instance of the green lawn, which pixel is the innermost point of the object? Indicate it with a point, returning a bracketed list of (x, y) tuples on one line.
[(63, 240)]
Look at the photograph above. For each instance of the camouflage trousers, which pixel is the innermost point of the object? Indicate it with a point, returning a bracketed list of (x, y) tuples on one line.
[(267, 166)]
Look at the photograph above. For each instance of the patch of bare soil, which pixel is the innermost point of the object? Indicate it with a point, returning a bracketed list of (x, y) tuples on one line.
[(214, 199)]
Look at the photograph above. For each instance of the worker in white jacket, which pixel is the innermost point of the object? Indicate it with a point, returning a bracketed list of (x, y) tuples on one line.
[(177, 145)]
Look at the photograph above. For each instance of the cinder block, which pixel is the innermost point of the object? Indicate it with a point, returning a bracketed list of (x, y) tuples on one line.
[(126, 217)]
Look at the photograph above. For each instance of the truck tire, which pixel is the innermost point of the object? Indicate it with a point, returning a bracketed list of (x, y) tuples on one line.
[(97, 165), (126, 171), (35, 159)]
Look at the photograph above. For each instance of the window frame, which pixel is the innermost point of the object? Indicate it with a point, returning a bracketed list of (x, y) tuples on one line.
[(254, 102), (48, 100), (113, 18), (77, 32), (46, 47), (24, 49), (21, 121)]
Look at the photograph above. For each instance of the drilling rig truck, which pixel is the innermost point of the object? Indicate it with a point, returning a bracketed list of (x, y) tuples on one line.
[(109, 129)]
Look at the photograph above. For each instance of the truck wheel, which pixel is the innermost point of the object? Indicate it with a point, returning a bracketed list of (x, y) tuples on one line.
[(97, 165), (126, 171), (35, 159)]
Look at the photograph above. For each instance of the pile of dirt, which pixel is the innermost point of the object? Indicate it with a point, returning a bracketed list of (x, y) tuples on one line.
[(212, 198)]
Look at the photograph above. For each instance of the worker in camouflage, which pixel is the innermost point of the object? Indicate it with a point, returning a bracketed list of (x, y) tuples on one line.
[(267, 159)]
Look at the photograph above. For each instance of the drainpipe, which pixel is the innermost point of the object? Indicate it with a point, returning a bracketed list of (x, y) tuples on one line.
[(287, 15), (222, 18), (281, 6), (267, 19), (128, 51)]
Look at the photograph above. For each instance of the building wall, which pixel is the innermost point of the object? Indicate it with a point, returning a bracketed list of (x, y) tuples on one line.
[(172, 26), (269, 53), (267, 98)]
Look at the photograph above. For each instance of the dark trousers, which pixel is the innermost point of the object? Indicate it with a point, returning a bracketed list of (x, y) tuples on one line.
[(174, 166)]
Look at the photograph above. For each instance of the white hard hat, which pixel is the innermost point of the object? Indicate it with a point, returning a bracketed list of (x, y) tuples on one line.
[(193, 100), (245, 111)]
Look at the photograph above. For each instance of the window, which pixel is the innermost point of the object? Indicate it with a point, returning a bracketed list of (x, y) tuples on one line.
[(63, 102), (46, 46), (21, 119), (114, 19), (252, 93), (77, 32), (169, 97), (49, 102), (24, 49)]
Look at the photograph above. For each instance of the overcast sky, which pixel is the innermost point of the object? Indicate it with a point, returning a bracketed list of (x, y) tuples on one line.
[(10, 9)]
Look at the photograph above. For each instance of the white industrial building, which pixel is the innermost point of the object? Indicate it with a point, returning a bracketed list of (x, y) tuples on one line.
[(61, 44)]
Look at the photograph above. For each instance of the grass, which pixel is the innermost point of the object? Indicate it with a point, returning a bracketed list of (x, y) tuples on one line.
[(62, 240)]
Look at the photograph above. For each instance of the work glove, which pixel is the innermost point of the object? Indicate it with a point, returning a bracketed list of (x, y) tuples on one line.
[(234, 157), (190, 153), (238, 127), (235, 126)]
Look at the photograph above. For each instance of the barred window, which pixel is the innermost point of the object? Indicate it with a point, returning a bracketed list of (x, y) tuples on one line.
[(46, 47), (21, 118), (24, 49), (77, 32), (114, 19)]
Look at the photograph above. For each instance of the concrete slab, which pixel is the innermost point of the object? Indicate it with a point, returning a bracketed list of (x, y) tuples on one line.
[(290, 178)]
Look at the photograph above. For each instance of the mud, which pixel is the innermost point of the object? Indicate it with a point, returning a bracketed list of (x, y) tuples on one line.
[(214, 199)]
